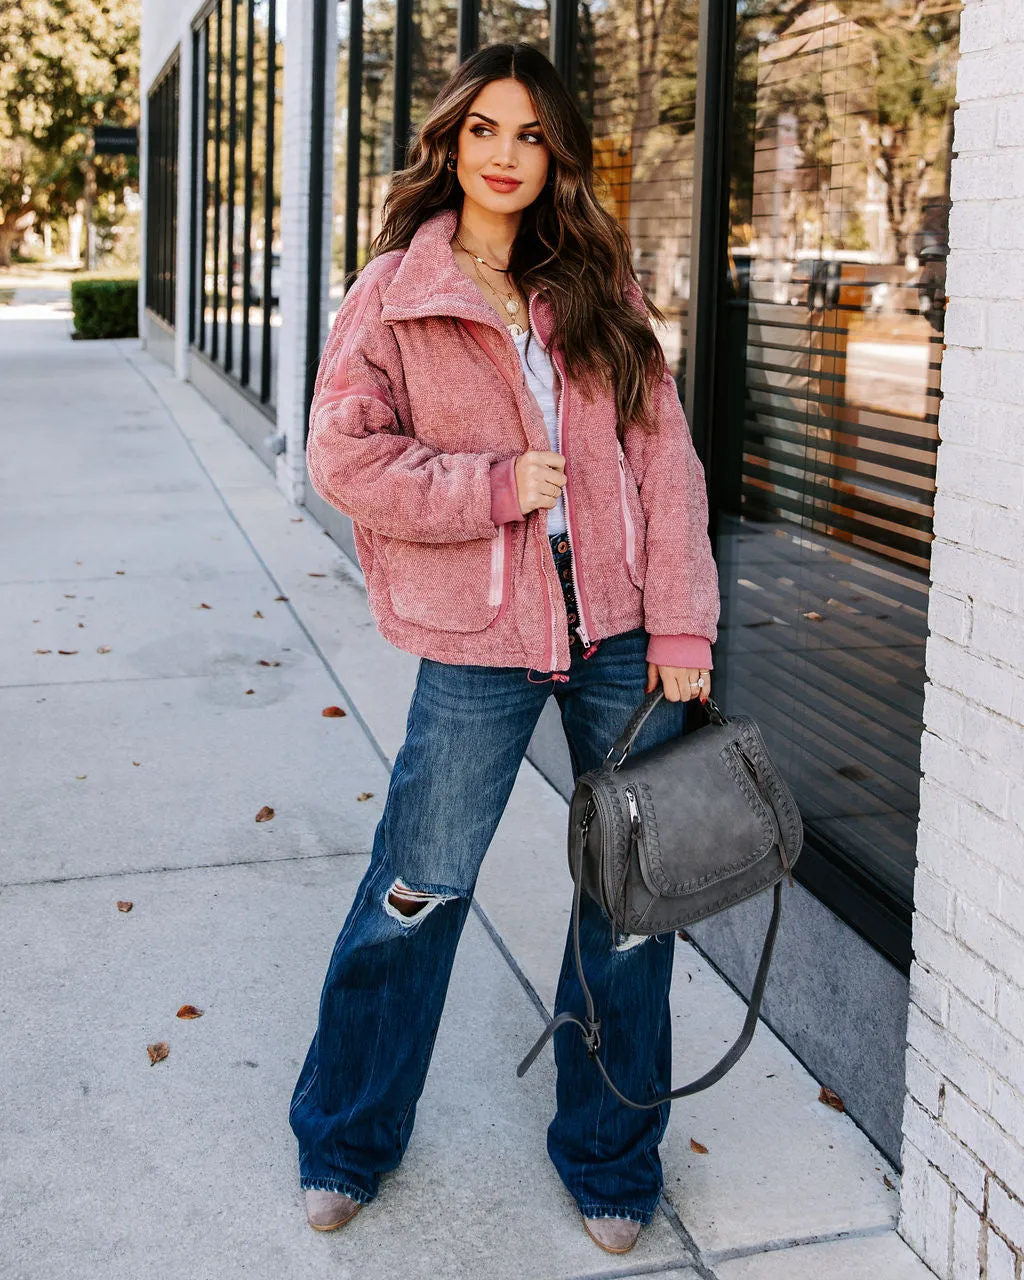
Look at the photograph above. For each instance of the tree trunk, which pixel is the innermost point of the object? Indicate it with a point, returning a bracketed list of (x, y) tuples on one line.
[(12, 228)]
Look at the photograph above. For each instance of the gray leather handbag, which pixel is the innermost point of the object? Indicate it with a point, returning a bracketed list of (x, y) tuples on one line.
[(670, 836)]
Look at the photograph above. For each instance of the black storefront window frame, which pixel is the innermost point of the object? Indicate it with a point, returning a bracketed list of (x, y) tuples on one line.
[(162, 191), (208, 114), (835, 879), (868, 906)]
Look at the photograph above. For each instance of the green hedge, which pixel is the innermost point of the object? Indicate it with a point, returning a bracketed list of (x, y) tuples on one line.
[(105, 308)]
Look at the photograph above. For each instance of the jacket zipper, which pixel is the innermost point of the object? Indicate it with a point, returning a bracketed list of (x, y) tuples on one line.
[(627, 517), (574, 573)]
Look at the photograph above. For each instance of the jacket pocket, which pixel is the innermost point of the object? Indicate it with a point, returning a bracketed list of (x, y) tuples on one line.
[(633, 527), (455, 586)]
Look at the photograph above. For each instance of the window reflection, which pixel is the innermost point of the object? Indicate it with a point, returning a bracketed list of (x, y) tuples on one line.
[(378, 117), (434, 53), (838, 206), (636, 85), (505, 20)]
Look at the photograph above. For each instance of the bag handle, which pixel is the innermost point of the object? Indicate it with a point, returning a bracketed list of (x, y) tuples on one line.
[(620, 748), (591, 1025)]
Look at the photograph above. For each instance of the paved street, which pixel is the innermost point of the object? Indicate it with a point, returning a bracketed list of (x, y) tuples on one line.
[(157, 692)]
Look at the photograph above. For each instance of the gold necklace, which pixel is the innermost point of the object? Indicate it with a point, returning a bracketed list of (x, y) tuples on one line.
[(510, 302)]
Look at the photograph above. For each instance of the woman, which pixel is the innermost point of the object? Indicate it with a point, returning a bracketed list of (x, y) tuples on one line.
[(493, 411)]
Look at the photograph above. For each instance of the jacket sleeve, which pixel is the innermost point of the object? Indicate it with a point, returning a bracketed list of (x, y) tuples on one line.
[(361, 452), (681, 595)]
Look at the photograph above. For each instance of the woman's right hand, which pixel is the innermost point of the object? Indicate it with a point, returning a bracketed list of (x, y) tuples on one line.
[(540, 479)]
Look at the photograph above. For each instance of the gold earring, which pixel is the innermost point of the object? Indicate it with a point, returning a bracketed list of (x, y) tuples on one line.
[(451, 162)]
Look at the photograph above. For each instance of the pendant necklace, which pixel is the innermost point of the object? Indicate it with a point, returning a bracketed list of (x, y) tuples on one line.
[(511, 303)]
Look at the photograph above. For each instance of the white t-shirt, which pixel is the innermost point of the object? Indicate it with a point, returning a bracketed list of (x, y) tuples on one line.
[(540, 379)]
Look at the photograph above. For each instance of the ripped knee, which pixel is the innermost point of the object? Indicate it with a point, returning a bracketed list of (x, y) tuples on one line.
[(410, 906), (627, 941)]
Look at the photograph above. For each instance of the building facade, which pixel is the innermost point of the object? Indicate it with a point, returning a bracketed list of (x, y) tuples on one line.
[(836, 246)]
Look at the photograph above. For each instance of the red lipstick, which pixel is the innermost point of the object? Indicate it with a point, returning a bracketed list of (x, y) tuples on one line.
[(502, 184)]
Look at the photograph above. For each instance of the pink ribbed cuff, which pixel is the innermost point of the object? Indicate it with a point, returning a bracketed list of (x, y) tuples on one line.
[(504, 492), (680, 651)]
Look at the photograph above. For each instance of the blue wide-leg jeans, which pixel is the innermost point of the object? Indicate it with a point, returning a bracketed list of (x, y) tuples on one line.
[(354, 1103)]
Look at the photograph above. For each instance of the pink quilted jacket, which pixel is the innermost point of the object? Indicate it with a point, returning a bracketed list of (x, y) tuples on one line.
[(419, 414)]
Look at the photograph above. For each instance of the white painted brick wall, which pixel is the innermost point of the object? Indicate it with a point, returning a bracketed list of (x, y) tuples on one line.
[(963, 1152)]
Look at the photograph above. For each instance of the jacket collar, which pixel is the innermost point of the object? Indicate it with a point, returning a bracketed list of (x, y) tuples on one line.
[(428, 282)]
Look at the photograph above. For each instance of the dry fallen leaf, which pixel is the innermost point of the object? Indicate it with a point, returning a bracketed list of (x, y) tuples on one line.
[(365, 795), (280, 597), (82, 625), (136, 763), (265, 814), (310, 574), (698, 1147), (257, 614), (204, 605), (189, 1011), (296, 519), (67, 597), (814, 616), (67, 652), (265, 662), (122, 905), (157, 1052), (250, 691), (831, 1099), (119, 572), (44, 651), (890, 1185), (333, 712), (103, 648), (81, 777)]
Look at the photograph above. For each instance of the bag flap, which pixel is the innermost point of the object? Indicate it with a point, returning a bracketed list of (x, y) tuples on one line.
[(716, 820)]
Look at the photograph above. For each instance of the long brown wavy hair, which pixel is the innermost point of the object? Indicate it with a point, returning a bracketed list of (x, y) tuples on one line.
[(568, 248)]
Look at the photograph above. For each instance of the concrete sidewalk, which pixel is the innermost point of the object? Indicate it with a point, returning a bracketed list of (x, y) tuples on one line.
[(143, 539)]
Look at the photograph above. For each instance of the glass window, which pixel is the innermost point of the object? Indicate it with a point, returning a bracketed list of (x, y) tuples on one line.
[(162, 195), (339, 68), (636, 84), (502, 20), (824, 461), (377, 119), (239, 124), (434, 53)]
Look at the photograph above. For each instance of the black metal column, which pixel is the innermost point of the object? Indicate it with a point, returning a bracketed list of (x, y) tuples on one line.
[(403, 80), (468, 29), (562, 51), (714, 93)]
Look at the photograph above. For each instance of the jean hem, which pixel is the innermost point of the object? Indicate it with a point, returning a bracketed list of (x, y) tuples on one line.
[(591, 1210), (338, 1185)]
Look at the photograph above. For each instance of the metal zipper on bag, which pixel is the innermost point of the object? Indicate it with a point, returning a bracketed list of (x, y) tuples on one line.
[(634, 811)]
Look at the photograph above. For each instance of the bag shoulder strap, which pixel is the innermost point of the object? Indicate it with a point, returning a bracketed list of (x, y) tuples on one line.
[(591, 1025)]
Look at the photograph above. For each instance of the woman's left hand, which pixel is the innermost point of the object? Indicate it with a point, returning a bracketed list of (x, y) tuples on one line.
[(679, 683)]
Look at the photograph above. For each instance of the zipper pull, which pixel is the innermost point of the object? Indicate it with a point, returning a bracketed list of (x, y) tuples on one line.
[(634, 812)]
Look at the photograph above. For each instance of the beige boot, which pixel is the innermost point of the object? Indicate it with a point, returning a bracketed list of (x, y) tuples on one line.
[(613, 1235), (328, 1210)]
